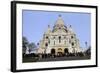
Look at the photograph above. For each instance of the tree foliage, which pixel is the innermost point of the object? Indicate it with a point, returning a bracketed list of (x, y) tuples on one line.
[(24, 44), (31, 47)]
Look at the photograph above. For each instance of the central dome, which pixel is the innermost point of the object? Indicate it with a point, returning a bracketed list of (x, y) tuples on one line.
[(59, 22), (59, 25)]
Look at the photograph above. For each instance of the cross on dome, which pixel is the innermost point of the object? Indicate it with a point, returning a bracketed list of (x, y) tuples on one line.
[(48, 26)]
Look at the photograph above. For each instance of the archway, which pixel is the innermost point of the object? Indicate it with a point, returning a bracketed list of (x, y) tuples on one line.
[(53, 51), (66, 50), (59, 52)]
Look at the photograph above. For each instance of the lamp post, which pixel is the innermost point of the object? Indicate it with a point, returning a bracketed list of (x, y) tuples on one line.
[(86, 44)]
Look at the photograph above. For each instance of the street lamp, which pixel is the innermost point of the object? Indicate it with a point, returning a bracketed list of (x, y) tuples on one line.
[(86, 44)]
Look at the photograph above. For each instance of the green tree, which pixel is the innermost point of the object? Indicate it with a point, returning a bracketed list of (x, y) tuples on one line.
[(88, 51), (31, 47), (24, 44)]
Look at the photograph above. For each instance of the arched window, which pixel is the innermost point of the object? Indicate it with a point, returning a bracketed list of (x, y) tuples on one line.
[(46, 37), (72, 43), (59, 39), (71, 37), (59, 27), (46, 44)]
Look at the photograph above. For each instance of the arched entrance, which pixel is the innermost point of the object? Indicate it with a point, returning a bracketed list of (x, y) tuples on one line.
[(66, 51), (53, 51), (59, 52)]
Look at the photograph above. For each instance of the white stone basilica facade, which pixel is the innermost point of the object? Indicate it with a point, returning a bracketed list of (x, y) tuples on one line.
[(61, 39)]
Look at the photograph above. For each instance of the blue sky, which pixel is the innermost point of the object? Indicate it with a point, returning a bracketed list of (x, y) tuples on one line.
[(35, 24)]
